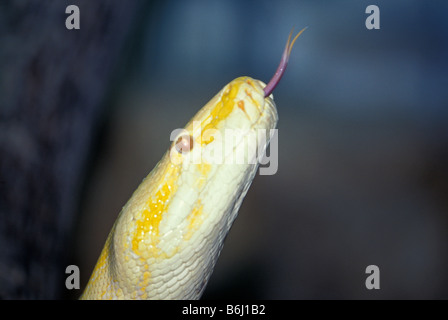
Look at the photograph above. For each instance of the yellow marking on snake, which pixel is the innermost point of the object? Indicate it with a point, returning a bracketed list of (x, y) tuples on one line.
[(146, 234), (223, 108), (166, 240), (195, 219)]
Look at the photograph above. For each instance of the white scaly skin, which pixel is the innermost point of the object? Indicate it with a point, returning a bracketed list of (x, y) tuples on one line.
[(167, 238)]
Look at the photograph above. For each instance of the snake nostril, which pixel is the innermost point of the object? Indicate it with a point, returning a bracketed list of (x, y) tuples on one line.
[(184, 144)]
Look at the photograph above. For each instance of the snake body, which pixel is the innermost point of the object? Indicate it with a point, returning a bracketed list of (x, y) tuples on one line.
[(167, 238)]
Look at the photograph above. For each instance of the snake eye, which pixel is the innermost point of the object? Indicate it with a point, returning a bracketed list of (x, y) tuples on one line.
[(184, 144)]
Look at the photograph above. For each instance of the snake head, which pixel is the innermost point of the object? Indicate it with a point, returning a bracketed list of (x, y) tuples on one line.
[(283, 63)]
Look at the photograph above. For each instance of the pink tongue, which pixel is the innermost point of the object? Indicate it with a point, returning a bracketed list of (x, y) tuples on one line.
[(282, 66)]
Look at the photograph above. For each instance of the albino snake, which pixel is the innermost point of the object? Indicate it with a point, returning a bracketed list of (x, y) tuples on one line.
[(167, 238)]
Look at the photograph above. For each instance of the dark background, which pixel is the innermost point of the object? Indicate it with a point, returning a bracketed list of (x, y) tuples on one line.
[(363, 139)]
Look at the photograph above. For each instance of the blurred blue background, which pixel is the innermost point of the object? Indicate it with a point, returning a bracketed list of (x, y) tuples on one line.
[(363, 142), (363, 138)]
